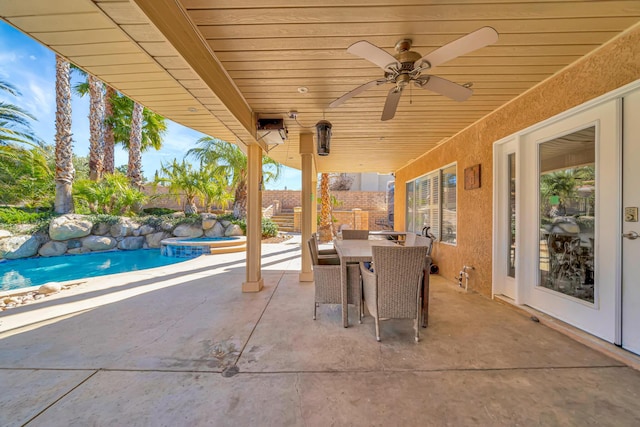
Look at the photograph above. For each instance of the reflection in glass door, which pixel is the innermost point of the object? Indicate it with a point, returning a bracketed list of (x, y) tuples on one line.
[(567, 184), (511, 215)]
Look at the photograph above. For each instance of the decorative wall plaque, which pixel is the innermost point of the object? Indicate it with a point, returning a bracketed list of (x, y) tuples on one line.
[(472, 177)]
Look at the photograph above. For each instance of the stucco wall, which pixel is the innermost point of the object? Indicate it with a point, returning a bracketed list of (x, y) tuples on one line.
[(613, 65)]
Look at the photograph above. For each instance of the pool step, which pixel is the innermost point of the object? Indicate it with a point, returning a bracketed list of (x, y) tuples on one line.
[(229, 249), (228, 246)]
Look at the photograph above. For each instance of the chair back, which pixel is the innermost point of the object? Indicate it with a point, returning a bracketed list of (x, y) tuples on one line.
[(424, 241), (410, 239), (399, 271), (355, 234), (313, 250)]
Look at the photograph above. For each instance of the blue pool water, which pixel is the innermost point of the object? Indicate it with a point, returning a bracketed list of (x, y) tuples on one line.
[(21, 273)]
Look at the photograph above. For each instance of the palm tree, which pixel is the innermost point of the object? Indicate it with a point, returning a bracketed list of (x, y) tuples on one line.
[(562, 184), (182, 181), (214, 187), (148, 130), (14, 121), (134, 167), (109, 141), (233, 162), (64, 143), (325, 231), (94, 87)]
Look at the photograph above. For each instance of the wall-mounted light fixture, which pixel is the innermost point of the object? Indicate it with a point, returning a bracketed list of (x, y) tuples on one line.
[(323, 133)]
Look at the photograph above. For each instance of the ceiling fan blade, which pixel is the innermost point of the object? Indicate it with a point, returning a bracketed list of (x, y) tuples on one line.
[(372, 53), (391, 104), (356, 91), (445, 87), (465, 44)]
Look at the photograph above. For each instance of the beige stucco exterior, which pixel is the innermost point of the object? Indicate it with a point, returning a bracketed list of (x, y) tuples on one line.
[(614, 65)]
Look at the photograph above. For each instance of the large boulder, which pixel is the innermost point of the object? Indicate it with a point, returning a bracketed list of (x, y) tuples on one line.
[(188, 230), (208, 220), (99, 243), (233, 230), (216, 231), (146, 229), (71, 226), (131, 243), (21, 246), (124, 228), (101, 229), (4, 234), (53, 248), (166, 226), (154, 239)]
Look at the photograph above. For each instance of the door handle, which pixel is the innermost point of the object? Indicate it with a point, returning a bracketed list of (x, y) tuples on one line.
[(632, 235)]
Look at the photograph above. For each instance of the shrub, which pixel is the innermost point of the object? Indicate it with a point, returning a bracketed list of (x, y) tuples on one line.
[(10, 215), (111, 195), (158, 211), (269, 228)]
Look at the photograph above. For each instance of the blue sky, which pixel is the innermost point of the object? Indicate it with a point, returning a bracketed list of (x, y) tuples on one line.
[(30, 68)]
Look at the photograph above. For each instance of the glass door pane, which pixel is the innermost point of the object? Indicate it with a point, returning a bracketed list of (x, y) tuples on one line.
[(567, 185), (511, 215)]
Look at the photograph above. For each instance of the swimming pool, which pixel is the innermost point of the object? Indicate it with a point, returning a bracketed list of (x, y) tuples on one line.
[(21, 273)]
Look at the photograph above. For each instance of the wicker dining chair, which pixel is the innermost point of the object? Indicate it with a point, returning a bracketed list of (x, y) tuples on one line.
[(328, 251), (328, 287), (321, 258), (394, 289), (355, 234)]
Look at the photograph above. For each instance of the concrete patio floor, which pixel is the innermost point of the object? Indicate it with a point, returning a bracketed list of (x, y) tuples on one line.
[(182, 346)]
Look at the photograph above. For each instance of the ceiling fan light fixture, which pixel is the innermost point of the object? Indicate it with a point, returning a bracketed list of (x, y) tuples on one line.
[(323, 134)]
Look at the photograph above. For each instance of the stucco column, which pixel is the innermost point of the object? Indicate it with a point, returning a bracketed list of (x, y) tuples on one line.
[(254, 281), (308, 203)]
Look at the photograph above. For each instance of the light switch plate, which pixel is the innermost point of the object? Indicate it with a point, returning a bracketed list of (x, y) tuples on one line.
[(631, 214)]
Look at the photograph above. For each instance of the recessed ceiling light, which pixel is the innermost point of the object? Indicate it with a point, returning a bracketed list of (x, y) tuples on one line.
[(303, 89), (192, 109)]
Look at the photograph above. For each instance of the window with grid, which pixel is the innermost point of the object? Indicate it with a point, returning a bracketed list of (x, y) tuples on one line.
[(431, 202)]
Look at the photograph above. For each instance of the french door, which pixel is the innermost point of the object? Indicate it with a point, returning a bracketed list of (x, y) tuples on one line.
[(558, 206)]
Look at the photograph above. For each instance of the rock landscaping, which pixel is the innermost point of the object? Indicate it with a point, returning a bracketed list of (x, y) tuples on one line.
[(77, 234)]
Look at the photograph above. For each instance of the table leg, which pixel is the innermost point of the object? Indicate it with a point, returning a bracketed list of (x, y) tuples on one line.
[(425, 298), (345, 296)]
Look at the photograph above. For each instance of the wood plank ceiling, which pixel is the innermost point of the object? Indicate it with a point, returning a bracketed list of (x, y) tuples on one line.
[(214, 65)]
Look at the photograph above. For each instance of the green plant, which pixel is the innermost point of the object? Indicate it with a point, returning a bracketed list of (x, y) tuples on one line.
[(231, 162), (158, 211), (112, 195), (269, 228), (182, 181), (10, 215)]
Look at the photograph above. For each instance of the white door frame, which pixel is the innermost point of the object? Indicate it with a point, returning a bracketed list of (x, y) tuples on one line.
[(502, 283)]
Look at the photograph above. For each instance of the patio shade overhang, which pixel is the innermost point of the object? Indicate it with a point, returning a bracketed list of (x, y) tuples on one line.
[(216, 67)]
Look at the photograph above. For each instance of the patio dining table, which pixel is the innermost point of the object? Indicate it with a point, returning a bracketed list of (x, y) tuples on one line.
[(354, 251)]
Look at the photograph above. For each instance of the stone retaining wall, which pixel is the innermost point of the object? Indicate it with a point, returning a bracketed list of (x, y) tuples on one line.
[(77, 234)]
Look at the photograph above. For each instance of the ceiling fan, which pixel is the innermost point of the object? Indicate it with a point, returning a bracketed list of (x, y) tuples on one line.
[(407, 66)]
